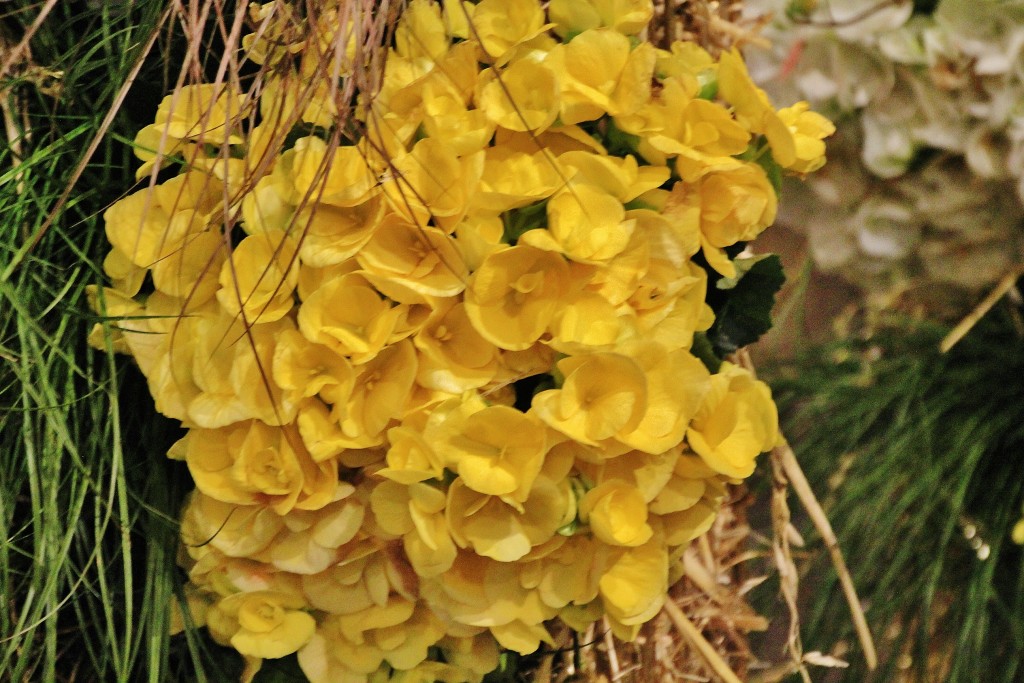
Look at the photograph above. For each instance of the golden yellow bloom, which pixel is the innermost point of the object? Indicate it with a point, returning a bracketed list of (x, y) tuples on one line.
[(153, 223), (809, 130), (752, 107), (585, 224), (598, 73), (382, 388), (737, 421), (259, 278), (617, 513), (315, 540), (251, 463), (575, 16), (416, 513), (735, 206), (424, 260), (498, 530), (447, 120), (345, 645), (453, 357), (420, 33), (236, 531), (431, 183), (340, 176), (522, 97), (496, 450), (349, 317), (622, 177), (675, 383), (500, 25), (514, 177), (364, 575), (332, 234), (633, 589), (604, 394), (514, 294), (207, 113), (479, 591), (410, 457), (310, 369), (266, 624)]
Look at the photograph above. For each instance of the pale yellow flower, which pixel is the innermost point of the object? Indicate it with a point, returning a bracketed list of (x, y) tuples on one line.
[(736, 422)]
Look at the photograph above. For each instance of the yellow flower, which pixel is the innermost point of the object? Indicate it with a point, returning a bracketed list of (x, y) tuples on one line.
[(153, 223), (420, 33), (669, 303), (349, 317), (675, 381), (259, 278), (496, 450), (431, 183), (634, 587), (622, 177), (604, 394), (735, 206), (617, 513), (191, 270), (590, 323), (514, 294), (522, 97), (752, 107), (416, 513), (265, 624), (498, 530), (500, 25), (737, 421), (424, 260), (453, 357), (345, 645), (809, 129), (447, 120), (236, 531), (339, 177), (479, 591), (410, 457), (575, 16), (315, 540), (364, 574), (598, 73), (585, 224), (513, 178), (688, 503), (382, 388), (310, 369), (252, 463), (333, 234), (207, 113)]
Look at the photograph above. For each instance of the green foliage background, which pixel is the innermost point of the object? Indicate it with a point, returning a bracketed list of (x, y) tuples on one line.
[(88, 505), (919, 457)]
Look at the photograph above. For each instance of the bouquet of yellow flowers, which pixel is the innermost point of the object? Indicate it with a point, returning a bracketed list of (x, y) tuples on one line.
[(443, 347)]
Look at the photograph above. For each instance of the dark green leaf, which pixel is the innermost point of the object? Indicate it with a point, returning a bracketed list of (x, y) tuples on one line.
[(745, 313)]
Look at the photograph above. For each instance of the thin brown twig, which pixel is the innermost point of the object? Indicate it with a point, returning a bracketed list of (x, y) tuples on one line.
[(803, 491), (972, 318)]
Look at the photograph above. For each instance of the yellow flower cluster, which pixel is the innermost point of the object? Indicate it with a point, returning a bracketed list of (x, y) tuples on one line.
[(436, 368)]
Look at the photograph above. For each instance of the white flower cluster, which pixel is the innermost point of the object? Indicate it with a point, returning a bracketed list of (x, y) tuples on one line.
[(925, 178)]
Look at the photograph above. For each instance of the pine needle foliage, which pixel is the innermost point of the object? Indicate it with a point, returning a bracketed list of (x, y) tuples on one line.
[(88, 502), (920, 456)]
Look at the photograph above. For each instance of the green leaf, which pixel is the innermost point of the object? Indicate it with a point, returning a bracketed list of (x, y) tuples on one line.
[(518, 221), (745, 313)]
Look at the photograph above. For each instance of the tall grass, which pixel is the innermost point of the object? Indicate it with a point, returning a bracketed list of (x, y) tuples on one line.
[(87, 499), (922, 456)]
